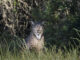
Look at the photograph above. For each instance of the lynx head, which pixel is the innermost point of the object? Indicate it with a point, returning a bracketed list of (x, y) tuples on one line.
[(37, 29)]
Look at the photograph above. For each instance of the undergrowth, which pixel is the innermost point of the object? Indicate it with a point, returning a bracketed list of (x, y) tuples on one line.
[(46, 55)]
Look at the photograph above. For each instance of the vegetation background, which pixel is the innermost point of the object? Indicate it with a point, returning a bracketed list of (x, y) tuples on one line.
[(62, 27)]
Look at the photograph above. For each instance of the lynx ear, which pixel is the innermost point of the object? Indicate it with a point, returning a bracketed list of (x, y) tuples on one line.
[(32, 23), (43, 22)]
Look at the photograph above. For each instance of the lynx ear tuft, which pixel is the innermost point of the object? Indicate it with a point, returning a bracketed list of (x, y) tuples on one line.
[(32, 23)]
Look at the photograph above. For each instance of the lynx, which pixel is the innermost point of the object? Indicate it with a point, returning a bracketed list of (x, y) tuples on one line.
[(35, 40)]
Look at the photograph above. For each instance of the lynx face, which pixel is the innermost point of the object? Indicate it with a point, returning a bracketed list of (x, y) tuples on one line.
[(37, 30)]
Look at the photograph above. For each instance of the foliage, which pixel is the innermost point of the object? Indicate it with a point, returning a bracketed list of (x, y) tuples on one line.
[(61, 17)]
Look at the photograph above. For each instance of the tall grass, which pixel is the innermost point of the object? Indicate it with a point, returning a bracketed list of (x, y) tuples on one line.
[(47, 55), (10, 49)]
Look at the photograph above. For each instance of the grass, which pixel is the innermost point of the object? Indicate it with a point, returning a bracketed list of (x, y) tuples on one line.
[(47, 55)]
